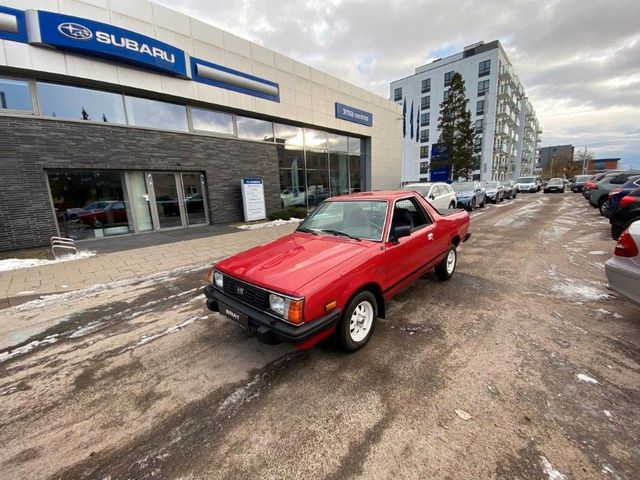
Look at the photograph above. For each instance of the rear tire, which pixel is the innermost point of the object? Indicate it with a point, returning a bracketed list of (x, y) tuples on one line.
[(358, 321), (444, 270)]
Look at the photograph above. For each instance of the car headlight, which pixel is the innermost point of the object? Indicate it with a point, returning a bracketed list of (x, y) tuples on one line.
[(218, 279), (287, 308)]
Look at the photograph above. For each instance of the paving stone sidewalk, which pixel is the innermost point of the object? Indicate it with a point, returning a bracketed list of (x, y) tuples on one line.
[(18, 286)]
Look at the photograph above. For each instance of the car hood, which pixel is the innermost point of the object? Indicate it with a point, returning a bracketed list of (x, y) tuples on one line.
[(287, 264)]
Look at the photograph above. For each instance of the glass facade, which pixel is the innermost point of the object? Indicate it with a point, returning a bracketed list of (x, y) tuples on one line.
[(144, 112), (212, 121), (15, 95), (254, 129), (75, 103)]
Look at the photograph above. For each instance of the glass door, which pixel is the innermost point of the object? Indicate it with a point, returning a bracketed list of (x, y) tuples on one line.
[(168, 211), (194, 198)]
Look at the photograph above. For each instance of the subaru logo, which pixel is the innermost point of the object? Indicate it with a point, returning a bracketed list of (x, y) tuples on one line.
[(75, 31), (240, 290)]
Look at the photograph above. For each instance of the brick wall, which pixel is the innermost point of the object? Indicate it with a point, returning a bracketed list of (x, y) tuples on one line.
[(29, 146)]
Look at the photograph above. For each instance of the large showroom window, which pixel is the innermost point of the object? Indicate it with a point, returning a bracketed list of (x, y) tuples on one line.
[(90, 203), (15, 95), (317, 177), (254, 129), (211, 121), (75, 103), (144, 112)]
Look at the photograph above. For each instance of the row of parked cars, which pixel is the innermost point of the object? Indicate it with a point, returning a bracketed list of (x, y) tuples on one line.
[(468, 195), (617, 196)]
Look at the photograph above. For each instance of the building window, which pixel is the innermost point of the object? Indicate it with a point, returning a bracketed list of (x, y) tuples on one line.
[(425, 119), (446, 94), (254, 129), (479, 123), (354, 173), (483, 87), (77, 103), (337, 143), (484, 68), (339, 173), (480, 107), (315, 139), (354, 146), (426, 85), (288, 134), (424, 166), (424, 151), (447, 78), (210, 121), (477, 144), (425, 103), (15, 95), (424, 136), (143, 112), (397, 94)]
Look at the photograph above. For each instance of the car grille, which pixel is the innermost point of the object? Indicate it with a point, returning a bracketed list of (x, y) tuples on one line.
[(246, 293)]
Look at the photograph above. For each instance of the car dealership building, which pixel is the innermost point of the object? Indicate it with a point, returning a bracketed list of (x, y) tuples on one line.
[(125, 117)]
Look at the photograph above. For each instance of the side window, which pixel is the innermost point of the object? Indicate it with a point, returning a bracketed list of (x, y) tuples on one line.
[(409, 212)]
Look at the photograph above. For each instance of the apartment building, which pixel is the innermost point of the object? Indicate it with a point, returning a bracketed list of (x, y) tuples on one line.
[(507, 130)]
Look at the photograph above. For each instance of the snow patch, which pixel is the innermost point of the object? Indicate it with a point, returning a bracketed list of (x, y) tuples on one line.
[(173, 329), (598, 252), (550, 472), (586, 378), (274, 223), (17, 263), (4, 356), (578, 291)]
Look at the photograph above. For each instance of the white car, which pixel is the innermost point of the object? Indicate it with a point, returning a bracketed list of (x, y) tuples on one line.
[(527, 184), (438, 194), (623, 269)]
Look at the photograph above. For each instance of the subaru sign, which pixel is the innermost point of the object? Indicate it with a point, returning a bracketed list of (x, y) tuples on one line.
[(102, 40), (354, 115), (440, 170)]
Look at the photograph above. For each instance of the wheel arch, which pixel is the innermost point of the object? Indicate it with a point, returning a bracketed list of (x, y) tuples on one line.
[(377, 292)]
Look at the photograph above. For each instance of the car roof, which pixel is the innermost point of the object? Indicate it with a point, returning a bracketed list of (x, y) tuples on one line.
[(420, 184), (388, 195)]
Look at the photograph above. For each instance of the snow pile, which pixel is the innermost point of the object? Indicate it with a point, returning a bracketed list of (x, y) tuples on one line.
[(16, 263), (274, 223), (586, 378), (552, 473)]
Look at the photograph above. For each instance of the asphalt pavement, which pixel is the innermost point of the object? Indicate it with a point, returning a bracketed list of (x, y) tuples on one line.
[(523, 365)]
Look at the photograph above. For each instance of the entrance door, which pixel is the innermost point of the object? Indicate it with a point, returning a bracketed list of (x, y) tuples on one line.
[(168, 211), (194, 198)]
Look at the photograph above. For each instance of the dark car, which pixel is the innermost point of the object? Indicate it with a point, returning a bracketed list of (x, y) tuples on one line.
[(628, 212), (577, 184), (554, 185), (495, 191), (592, 183), (600, 194), (615, 195), (510, 190)]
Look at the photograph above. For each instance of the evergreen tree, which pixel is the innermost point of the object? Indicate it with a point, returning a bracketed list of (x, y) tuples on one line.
[(456, 130)]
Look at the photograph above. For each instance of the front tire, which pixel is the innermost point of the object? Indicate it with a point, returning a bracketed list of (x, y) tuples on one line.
[(358, 321), (444, 270)]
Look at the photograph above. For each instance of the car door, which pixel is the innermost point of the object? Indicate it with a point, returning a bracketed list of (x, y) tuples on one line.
[(409, 256)]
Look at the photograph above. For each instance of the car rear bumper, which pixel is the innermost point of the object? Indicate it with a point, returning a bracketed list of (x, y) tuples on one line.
[(624, 277), (270, 329)]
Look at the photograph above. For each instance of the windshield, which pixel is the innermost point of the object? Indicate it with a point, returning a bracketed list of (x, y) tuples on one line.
[(462, 186), (361, 219), (582, 178), (555, 181), (526, 180), (491, 184)]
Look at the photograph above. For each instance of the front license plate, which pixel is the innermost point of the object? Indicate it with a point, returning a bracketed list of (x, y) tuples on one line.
[(234, 315)]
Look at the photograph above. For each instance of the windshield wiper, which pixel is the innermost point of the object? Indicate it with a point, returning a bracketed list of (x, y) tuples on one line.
[(339, 233), (306, 230)]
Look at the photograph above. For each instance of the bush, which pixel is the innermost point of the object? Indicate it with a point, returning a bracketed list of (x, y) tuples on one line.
[(287, 213)]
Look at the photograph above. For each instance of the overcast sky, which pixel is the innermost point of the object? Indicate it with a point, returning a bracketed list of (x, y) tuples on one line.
[(579, 60)]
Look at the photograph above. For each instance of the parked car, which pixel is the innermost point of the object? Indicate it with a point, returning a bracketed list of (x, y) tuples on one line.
[(293, 197), (554, 185), (527, 184), (104, 213), (470, 195), (615, 195), (599, 195), (577, 183), (495, 191), (591, 184), (623, 269), (628, 212), (438, 194), (510, 190), (337, 270)]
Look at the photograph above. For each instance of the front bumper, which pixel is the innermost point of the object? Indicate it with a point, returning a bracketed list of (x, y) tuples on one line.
[(624, 277), (465, 201), (269, 329)]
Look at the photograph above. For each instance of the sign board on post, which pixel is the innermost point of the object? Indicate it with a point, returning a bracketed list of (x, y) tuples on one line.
[(253, 199)]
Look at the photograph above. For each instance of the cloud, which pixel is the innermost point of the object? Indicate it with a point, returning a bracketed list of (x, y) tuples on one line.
[(578, 61)]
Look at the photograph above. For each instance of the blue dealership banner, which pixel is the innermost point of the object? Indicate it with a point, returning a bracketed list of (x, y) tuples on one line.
[(352, 114), (12, 25), (439, 167), (106, 41)]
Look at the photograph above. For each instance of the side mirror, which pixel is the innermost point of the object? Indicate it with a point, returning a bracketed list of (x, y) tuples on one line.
[(400, 231)]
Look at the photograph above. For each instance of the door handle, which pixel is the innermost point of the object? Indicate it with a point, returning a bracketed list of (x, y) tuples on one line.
[(429, 236)]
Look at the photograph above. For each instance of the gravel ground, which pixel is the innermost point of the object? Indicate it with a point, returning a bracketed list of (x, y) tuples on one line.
[(522, 366)]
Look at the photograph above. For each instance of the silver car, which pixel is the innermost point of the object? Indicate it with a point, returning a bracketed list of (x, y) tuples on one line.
[(623, 269)]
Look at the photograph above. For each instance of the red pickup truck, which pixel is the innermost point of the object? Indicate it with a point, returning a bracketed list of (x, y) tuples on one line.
[(335, 272)]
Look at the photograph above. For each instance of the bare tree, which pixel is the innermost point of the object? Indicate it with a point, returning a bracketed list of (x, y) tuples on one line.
[(582, 159)]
